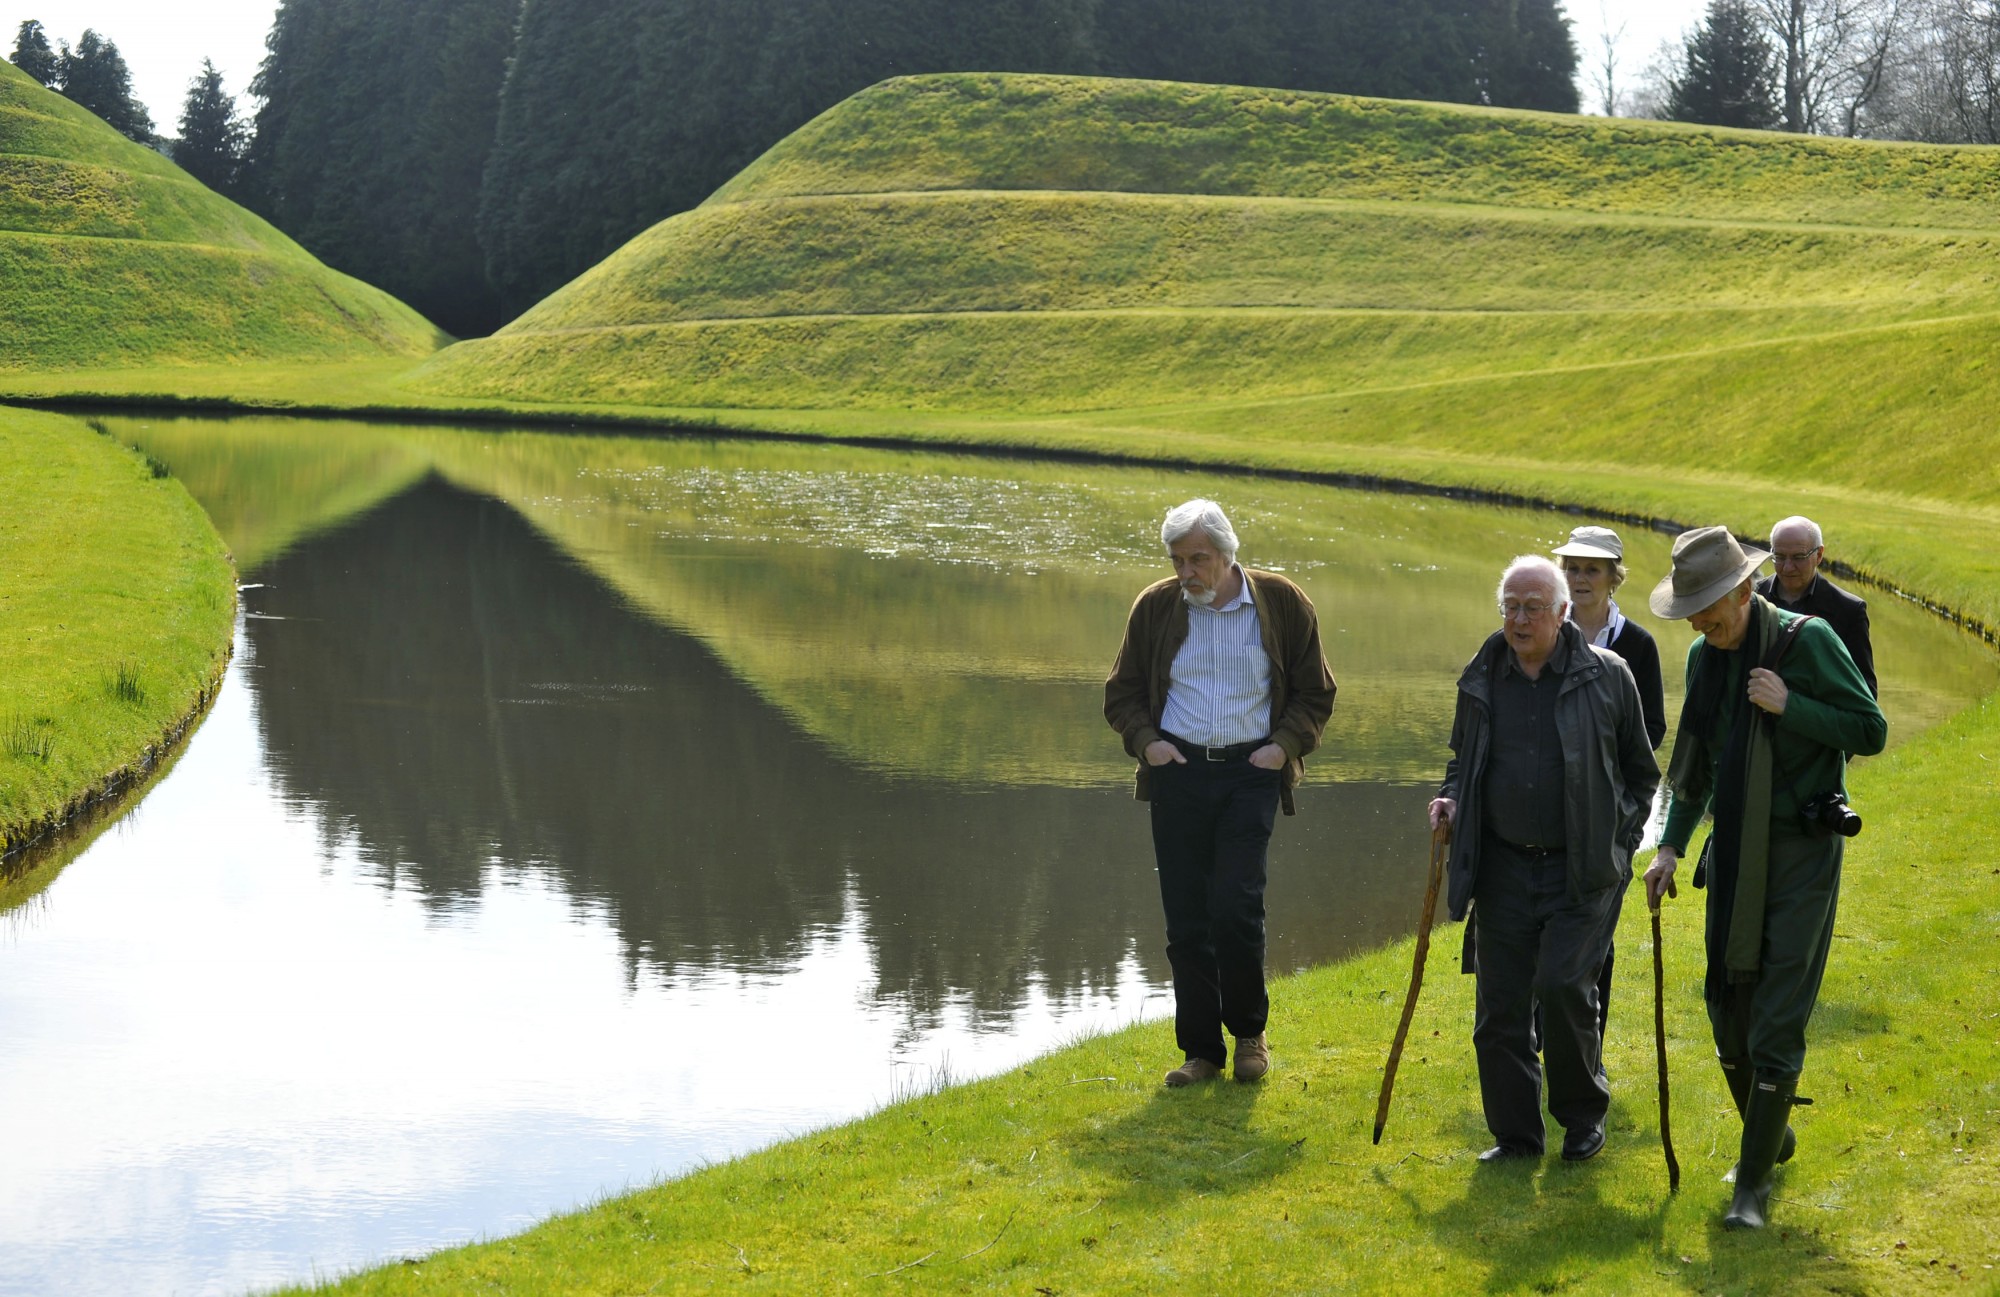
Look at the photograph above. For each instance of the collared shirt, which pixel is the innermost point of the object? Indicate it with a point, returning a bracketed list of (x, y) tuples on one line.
[(1523, 792), (1219, 691), (1613, 624)]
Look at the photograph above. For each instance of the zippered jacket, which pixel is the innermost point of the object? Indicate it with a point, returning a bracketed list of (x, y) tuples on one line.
[(1609, 773)]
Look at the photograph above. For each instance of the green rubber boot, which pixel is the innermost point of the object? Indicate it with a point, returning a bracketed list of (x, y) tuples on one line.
[(1764, 1123), (1736, 1071)]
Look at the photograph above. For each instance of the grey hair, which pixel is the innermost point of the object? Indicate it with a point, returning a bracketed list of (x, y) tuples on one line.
[(1207, 515), (1811, 528), (1535, 565)]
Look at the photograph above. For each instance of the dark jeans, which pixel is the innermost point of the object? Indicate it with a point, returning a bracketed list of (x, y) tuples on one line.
[(1211, 825), (1538, 955)]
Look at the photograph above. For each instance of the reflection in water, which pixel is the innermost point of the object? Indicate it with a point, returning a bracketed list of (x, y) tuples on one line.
[(581, 809), (535, 722)]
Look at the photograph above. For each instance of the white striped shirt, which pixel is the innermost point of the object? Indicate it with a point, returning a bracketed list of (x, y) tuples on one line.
[(1219, 691)]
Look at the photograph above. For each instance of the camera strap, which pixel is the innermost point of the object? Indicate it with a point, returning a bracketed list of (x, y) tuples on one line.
[(1772, 661), (1783, 643)]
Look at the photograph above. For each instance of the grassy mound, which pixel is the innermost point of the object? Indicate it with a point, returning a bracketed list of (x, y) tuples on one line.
[(119, 599), (112, 257), (1044, 245)]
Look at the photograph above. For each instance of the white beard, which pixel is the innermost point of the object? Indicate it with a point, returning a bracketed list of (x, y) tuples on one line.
[(1202, 600)]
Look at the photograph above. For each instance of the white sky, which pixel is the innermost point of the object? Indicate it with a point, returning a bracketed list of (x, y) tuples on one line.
[(165, 43)]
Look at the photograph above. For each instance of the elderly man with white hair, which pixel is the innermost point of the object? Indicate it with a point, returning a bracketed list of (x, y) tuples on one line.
[(1220, 691), (1548, 789)]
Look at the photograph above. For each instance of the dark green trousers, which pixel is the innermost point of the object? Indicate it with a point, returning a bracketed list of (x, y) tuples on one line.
[(1765, 1020)]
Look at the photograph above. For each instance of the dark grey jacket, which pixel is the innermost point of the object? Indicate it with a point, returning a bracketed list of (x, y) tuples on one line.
[(1609, 771)]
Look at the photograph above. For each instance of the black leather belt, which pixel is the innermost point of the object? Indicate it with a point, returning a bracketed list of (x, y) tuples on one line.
[(1222, 752), (1531, 853)]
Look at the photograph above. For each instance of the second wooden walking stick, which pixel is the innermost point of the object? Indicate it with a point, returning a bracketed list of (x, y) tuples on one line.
[(1660, 1041), (1440, 839)]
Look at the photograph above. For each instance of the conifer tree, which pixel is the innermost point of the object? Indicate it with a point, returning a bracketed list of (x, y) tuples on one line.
[(1728, 77), (212, 136), (368, 149), (94, 76), (34, 56)]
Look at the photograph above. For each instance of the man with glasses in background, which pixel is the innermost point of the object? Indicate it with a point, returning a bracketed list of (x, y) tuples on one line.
[(1548, 789), (1797, 548)]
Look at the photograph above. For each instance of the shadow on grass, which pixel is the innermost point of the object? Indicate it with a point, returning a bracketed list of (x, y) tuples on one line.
[(1838, 1018), (1542, 1225), (1195, 1141)]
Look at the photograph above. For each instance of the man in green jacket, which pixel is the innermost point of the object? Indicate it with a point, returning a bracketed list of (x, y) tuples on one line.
[(1774, 707), (1219, 690)]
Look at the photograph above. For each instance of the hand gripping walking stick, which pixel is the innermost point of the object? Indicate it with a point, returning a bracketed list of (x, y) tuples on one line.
[(1660, 1043), (1440, 839)]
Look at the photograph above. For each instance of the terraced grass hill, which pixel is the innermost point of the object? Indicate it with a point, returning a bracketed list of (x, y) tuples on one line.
[(1041, 246), (112, 257)]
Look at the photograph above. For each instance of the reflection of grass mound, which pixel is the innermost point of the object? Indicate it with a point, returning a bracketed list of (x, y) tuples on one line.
[(111, 256), (1042, 244)]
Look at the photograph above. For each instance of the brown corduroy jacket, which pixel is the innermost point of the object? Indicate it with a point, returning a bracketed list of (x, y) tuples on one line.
[(1302, 687)]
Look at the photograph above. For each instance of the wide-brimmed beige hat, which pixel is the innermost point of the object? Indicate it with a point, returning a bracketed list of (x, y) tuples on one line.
[(1708, 563), (1591, 542)]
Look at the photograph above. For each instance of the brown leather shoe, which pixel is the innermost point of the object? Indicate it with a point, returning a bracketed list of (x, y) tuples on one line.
[(1253, 1057), (1192, 1072)]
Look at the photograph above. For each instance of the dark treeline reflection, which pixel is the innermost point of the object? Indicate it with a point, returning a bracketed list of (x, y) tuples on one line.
[(446, 690)]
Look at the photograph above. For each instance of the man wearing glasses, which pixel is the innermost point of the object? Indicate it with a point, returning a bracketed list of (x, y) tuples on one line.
[(1548, 789), (1798, 587)]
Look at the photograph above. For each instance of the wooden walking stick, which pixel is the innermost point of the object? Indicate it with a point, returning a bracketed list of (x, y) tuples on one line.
[(1440, 839), (1660, 1041)]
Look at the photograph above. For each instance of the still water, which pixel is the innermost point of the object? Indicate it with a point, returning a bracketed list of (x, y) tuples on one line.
[(580, 810)]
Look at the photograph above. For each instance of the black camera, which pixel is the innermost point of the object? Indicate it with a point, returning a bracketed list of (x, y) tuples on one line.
[(1829, 813)]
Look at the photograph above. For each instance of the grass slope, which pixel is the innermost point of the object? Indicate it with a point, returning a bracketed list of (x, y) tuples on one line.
[(118, 600), (110, 256), (1048, 253)]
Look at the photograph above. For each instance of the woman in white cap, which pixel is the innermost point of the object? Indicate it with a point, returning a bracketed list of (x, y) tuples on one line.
[(1774, 704), (1592, 562)]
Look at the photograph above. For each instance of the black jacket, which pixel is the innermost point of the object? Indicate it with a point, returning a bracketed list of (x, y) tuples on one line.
[(1643, 656), (1608, 767), (1846, 613)]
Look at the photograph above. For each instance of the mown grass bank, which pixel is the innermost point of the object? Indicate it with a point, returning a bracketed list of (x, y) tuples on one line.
[(117, 599)]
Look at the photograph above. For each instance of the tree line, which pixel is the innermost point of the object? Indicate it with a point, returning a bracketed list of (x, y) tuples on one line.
[(471, 156)]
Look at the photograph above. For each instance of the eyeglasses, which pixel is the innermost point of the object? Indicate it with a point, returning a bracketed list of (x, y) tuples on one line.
[(1797, 559), (1529, 610)]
